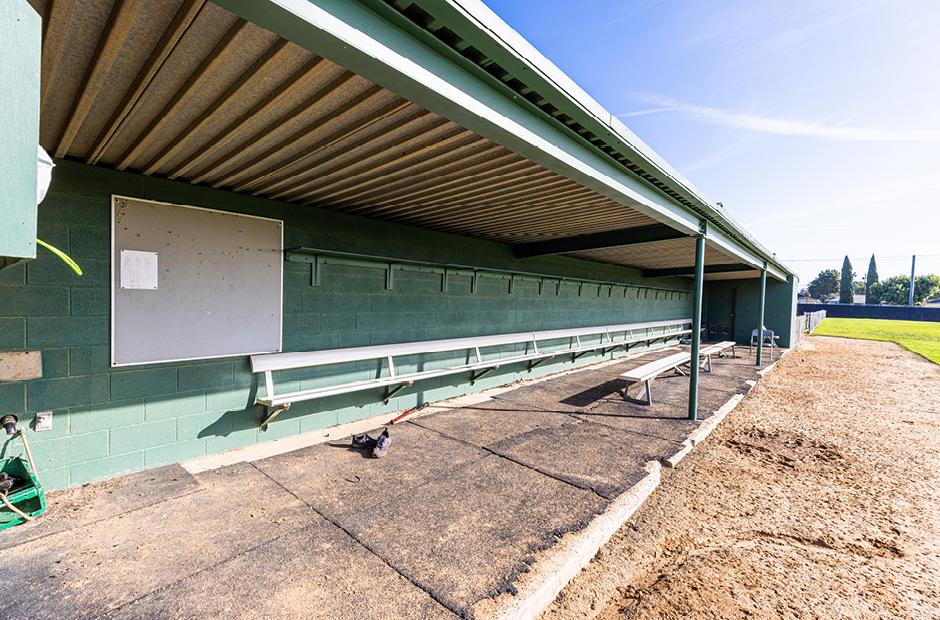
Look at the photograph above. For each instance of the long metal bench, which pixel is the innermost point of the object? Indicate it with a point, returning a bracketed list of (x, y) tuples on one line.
[(646, 373), (580, 341)]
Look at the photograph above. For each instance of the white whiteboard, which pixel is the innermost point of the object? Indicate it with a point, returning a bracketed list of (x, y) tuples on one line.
[(191, 283)]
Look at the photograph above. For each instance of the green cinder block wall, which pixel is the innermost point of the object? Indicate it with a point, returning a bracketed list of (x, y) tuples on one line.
[(113, 421), (779, 307)]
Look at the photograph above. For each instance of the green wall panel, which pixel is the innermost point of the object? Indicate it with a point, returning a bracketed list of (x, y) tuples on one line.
[(21, 33), (779, 313), (111, 421)]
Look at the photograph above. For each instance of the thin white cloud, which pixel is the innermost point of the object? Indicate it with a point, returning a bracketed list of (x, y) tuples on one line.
[(889, 194), (782, 126), (732, 28), (647, 112), (720, 155)]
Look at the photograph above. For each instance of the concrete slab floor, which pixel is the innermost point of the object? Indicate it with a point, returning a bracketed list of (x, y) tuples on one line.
[(336, 479), (82, 506), (487, 423), (466, 536), (103, 566), (315, 572), (453, 516), (587, 455)]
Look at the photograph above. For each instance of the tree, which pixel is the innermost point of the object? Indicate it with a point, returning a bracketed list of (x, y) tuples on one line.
[(871, 279), (895, 290), (825, 286), (845, 283), (858, 287)]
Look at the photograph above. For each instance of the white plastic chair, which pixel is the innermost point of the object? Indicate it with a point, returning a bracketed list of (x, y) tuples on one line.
[(770, 338)]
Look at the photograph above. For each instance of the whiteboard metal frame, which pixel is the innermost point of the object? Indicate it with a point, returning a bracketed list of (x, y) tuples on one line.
[(111, 274)]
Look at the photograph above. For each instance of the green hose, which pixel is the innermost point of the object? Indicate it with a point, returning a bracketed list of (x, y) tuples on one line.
[(65, 257)]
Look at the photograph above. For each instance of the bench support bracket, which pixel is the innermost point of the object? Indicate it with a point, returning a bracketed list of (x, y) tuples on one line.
[(273, 413), (478, 375), (391, 391), (535, 363)]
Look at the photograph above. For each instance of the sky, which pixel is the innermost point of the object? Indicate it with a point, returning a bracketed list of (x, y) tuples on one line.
[(815, 123)]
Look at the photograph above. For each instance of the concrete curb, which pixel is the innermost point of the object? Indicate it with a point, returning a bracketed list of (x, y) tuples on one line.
[(763, 372), (766, 371), (673, 460), (703, 431), (551, 573)]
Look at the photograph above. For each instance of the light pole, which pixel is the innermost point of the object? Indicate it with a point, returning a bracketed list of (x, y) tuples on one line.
[(910, 297)]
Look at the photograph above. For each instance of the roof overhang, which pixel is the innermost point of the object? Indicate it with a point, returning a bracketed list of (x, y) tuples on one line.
[(356, 37), (340, 106), (467, 26)]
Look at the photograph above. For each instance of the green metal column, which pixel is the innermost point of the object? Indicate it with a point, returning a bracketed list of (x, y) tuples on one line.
[(696, 323), (760, 322)]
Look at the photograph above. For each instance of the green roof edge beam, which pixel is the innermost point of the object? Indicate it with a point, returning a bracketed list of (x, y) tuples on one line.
[(690, 271), (360, 40), (597, 241)]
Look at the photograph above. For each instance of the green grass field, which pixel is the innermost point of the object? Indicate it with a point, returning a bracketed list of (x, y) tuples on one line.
[(921, 337)]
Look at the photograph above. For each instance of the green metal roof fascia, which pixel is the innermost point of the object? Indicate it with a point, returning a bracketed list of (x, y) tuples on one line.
[(489, 32), (359, 39), (725, 243)]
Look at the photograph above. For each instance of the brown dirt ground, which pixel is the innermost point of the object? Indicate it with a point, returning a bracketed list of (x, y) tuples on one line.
[(819, 496)]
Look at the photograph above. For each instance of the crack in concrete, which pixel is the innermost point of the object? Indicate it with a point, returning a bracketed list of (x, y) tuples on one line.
[(463, 613), (122, 606), (586, 410), (520, 463), (110, 516)]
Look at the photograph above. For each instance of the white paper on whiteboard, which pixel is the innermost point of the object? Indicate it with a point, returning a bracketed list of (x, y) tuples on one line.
[(138, 270)]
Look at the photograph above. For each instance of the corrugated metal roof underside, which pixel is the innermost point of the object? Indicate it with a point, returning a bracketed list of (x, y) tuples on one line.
[(185, 90), (657, 255), (733, 275)]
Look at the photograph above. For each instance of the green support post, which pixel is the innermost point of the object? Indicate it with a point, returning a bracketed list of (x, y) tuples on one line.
[(760, 322), (696, 323)]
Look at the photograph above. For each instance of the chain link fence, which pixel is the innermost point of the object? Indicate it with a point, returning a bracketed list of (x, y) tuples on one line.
[(808, 322)]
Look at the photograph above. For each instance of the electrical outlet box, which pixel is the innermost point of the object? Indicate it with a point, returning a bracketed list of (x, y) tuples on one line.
[(43, 421)]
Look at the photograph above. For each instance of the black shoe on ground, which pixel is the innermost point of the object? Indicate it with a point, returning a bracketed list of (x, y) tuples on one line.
[(381, 445), (364, 441)]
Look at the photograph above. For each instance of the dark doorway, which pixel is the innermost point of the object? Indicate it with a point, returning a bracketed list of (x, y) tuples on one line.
[(719, 312)]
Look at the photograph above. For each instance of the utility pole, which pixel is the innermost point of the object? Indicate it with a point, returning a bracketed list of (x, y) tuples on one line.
[(910, 297)]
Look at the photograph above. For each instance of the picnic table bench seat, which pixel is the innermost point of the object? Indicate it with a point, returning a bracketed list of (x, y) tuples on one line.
[(718, 349), (646, 373)]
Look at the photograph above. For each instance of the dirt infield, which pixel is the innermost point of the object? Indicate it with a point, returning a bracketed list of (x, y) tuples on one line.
[(818, 497)]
